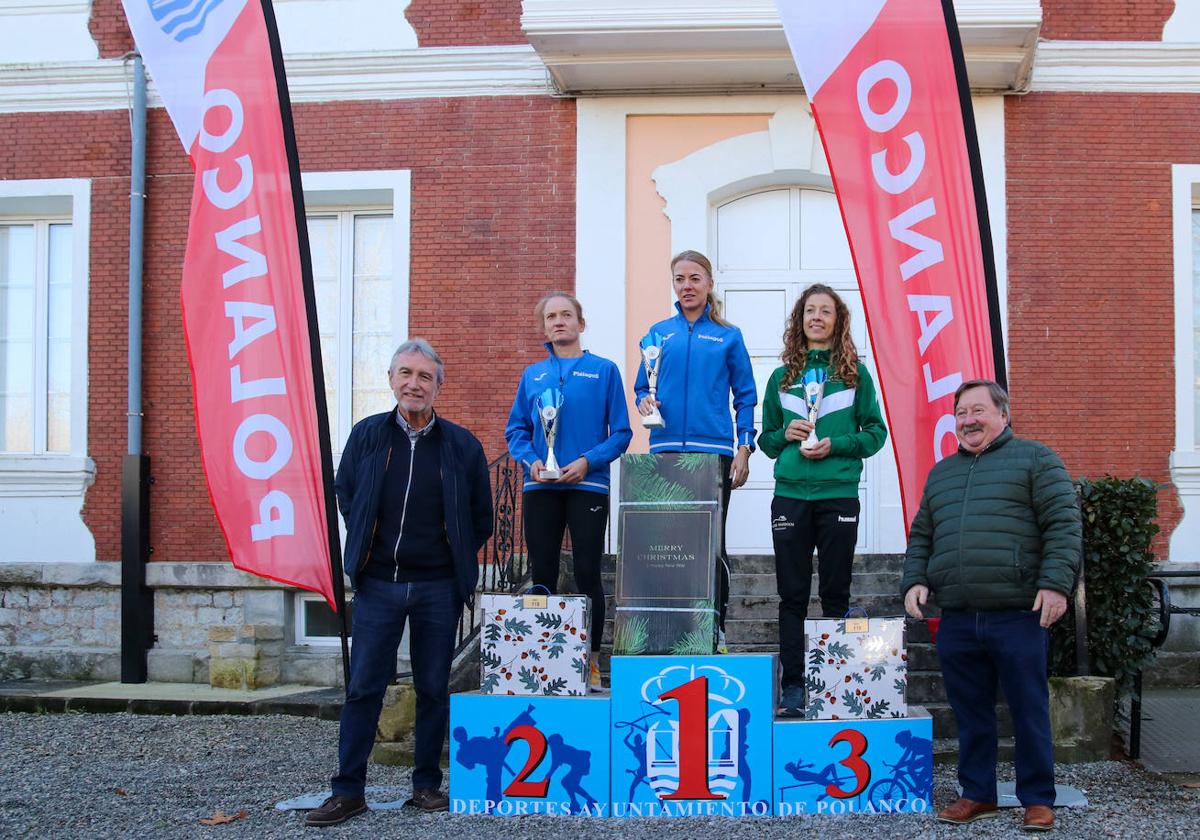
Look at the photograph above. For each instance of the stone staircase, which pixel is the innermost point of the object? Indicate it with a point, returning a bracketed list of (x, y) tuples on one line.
[(752, 627)]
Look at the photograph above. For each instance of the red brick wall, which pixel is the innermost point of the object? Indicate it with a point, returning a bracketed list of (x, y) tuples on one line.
[(109, 29), (493, 227), (1090, 277), (1105, 20), (457, 23)]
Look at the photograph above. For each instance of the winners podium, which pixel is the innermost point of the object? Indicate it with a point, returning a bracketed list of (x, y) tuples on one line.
[(682, 732)]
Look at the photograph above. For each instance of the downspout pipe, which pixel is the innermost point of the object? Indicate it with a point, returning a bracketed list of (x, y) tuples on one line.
[(137, 601)]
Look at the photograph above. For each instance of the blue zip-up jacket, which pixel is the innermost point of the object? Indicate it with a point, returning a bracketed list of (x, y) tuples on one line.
[(466, 495), (700, 365), (594, 421)]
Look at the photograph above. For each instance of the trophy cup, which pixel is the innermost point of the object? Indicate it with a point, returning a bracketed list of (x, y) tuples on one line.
[(814, 389), (549, 404), (651, 346)]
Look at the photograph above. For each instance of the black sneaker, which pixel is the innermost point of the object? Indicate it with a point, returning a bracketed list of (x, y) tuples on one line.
[(430, 800), (791, 704), (335, 810)]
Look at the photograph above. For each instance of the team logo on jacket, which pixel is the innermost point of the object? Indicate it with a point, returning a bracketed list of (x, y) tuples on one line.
[(540, 377), (585, 375), (715, 338), (182, 19)]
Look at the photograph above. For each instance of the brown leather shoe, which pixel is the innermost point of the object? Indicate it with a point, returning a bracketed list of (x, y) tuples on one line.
[(336, 810), (428, 799), (967, 810), (1038, 818)]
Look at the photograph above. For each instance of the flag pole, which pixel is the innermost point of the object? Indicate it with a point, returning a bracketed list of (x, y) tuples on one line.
[(981, 208), (314, 338)]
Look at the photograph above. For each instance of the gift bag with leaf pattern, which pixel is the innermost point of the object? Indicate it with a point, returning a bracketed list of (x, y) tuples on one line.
[(855, 668), (534, 644)]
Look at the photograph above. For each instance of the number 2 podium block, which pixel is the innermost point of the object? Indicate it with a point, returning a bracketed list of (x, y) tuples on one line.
[(514, 755), (691, 735), (854, 766)]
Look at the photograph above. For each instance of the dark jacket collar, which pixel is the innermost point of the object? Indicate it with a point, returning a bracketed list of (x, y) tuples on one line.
[(1001, 439)]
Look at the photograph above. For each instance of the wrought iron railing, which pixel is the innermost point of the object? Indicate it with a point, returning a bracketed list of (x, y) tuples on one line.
[(1157, 580), (503, 562)]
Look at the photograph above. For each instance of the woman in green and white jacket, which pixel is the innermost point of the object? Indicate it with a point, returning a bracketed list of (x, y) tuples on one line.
[(816, 489)]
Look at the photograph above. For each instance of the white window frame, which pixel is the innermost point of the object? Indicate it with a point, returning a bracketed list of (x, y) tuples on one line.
[(1185, 459), (56, 200), (364, 193), (301, 622)]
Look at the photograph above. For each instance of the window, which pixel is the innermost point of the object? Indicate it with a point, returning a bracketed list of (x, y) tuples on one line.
[(352, 268), (1195, 303), (358, 237), (316, 623), (44, 469), (35, 335)]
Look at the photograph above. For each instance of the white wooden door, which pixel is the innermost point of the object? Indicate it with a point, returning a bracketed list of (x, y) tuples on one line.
[(769, 246)]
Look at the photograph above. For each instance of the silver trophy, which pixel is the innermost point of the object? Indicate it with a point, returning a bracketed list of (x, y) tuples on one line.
[(549, 406), (651, 346), (814, 390)]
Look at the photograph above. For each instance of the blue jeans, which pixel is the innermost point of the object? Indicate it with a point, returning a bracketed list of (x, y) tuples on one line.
[(381, 607), (976, 651)]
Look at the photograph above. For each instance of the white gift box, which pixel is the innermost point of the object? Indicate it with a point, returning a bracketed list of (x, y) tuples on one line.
[(855, 668), (534, 644)]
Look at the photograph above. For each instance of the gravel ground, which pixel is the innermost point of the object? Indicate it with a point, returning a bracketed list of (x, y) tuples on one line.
[(85, 775)]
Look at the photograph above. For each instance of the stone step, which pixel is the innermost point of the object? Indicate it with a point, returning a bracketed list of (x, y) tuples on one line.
[(763, 583), (891, 564), (945, 726)]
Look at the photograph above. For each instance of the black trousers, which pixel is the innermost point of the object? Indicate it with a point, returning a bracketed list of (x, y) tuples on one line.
[(797, 527), (723, 569), (547, 514)]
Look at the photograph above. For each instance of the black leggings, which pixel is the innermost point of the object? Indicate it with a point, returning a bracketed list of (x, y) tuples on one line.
[(723, 569), (547, 514)]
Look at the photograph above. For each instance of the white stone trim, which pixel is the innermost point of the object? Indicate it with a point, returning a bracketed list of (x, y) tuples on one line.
[(45, 476), (49, 30), (1116, 67), (1185, 459), (613, 46), (438, 72)]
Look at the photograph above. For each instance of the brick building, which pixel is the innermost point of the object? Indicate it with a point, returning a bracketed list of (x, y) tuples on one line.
[(461, 157)]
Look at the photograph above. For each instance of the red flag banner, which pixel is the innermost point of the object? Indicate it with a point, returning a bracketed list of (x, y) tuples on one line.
[(245, 314), (883, 78)]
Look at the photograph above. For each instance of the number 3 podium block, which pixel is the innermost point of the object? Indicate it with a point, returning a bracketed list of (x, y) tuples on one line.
[(691, 736), (849, 766), (513, 755)]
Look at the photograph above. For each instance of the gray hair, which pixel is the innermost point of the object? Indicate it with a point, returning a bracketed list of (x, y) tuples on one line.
[(999, 395), (420, 345)]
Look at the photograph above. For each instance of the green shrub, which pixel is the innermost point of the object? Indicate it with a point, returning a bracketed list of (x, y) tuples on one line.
[(1118, 529)]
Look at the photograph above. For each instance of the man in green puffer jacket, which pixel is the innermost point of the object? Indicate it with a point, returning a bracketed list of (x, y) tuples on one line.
[(997, 539)]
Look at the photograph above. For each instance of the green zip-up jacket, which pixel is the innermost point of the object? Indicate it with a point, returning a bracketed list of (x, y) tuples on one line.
[(849, 417), (994, 528)]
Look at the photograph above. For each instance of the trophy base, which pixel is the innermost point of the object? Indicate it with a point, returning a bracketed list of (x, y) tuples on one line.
[(653, 421), (550, 475)]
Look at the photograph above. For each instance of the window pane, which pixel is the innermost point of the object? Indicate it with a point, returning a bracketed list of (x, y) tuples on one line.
[(58, 359), (323, 243), (320, 620), (372, 350), (18, 266), (1196, 323)]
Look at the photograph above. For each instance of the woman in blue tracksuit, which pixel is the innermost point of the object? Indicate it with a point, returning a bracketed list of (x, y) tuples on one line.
[(593, 430), (704, 360)]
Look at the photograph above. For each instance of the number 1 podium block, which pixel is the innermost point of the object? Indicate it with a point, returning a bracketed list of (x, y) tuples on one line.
[(515, 755), (691, 735), (854, 766)]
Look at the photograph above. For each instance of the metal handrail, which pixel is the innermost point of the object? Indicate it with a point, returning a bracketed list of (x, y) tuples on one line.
[(1165, 610), (504, 563)]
